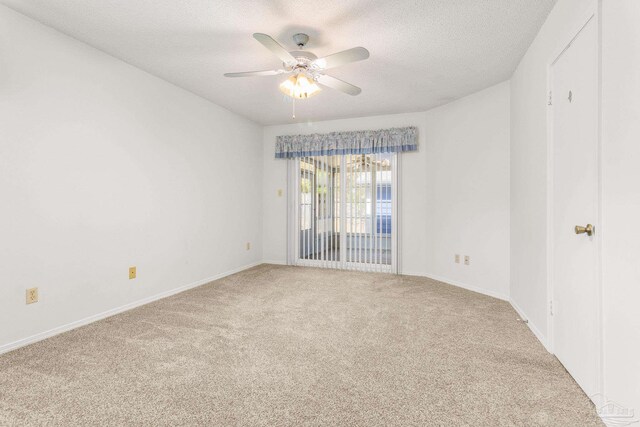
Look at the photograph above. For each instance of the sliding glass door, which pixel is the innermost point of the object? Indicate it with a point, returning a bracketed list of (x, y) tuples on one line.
[(344, 211)]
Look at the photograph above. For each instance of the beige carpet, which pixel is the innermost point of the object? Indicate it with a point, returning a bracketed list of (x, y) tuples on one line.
[(287, 346)]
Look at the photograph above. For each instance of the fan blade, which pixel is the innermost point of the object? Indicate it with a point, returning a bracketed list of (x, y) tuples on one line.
[(276, 48), (338, 84), (342, 58), (255, 73)]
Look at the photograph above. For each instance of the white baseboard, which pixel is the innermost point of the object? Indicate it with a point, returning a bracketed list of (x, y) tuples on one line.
[(461, 285), (85, 321), (73, 325), (274, 262), (541, 337)]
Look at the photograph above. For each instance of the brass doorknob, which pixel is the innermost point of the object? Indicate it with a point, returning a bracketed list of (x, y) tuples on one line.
[(588, 229)]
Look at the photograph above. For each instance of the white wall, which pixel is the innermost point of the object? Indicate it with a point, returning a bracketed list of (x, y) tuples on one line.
[(103, 166), (621, 200), (456, 189), (529, 165)]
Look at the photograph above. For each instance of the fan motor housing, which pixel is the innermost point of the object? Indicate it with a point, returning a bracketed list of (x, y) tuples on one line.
[(302, 54), (304, 59)]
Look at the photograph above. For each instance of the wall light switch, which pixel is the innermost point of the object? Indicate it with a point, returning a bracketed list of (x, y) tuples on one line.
[(132, 273), (467, 260), (457, 258), (248, 246), (280, 192), (32, 295)]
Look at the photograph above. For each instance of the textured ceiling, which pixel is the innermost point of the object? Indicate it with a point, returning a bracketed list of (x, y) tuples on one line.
[(424, 53)]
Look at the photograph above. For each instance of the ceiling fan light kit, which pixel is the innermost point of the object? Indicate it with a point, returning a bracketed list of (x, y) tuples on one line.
[(306, 69), (299, 86)]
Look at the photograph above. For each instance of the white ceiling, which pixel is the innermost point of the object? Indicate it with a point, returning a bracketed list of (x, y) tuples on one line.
[(424, 53)]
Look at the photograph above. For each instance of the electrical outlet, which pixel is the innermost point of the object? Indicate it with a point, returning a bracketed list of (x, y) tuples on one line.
[(32, 295), (467, 260), (279, 192), (457, 258), (248, 246), (132, 273)]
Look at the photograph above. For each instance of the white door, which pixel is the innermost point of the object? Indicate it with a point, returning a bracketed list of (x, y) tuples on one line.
[(575, 296)]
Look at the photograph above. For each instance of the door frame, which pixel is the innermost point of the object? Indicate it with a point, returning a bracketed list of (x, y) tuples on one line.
[(591, 13)]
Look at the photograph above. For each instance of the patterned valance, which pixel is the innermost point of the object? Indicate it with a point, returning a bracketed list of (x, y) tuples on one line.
[(356, 142)]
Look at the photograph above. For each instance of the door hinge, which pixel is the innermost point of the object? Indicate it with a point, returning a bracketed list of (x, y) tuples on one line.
[(550, 102), (551, 308)]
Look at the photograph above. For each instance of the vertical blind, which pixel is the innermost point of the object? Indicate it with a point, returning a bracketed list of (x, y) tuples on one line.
[(345, 211)]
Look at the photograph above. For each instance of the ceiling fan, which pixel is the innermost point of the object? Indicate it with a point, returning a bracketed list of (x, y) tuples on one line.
[(306, 69)]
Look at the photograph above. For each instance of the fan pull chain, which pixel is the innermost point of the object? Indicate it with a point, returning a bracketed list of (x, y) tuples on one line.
[(294, 109)]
